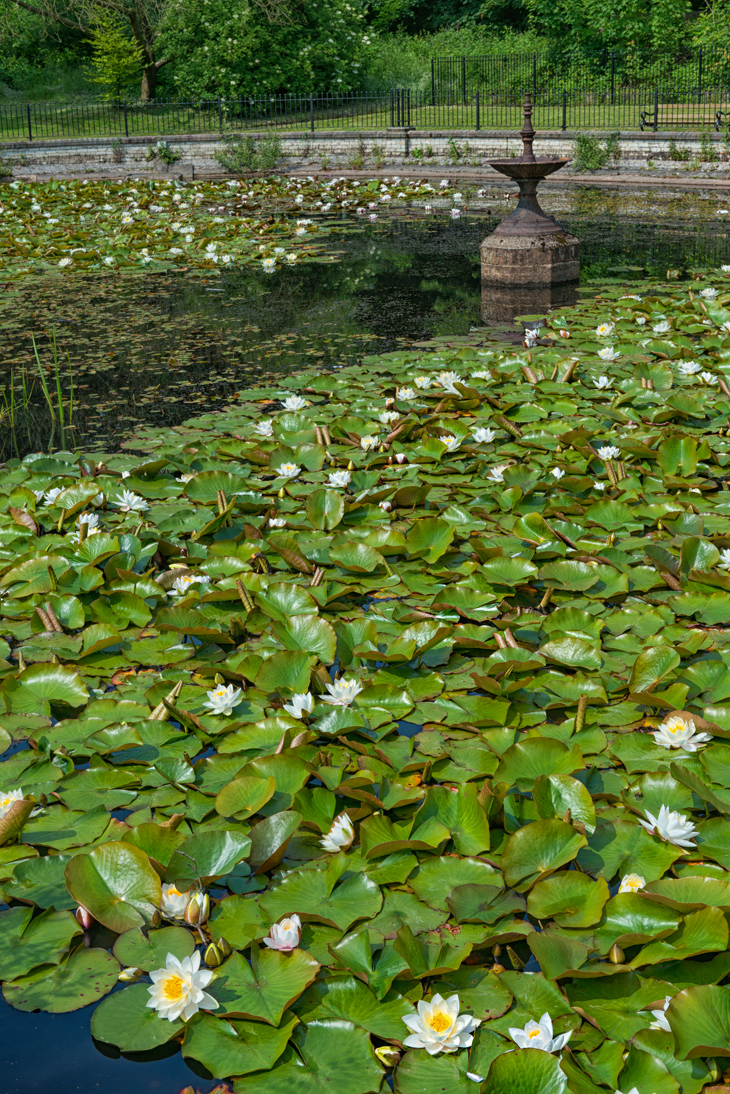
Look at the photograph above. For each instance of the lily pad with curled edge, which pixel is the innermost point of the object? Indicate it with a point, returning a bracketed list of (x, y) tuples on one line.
[(124, 1019), (700, 1021), (527, 1071), (266, 987), (570, 898), (148, 950), (85, 978), (226, 1046), (117, 884), (331, 1055), (537, 850), (41, 881), (348, 998)]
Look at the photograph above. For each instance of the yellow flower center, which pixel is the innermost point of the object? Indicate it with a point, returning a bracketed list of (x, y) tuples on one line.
[(534, 1033), (173, 989), (173, 891), (439, 1022), (286, 924)]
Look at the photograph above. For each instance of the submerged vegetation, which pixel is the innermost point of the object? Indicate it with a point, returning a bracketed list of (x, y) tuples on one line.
[(383, 719)]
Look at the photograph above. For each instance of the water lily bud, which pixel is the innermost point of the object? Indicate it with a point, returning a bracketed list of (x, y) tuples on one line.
[(351, 466), (129, 975), (616, 955), (84, 917), (388, 1055), (225, 947), (198, 909), (281, 492), (497, 950), (213, 956)]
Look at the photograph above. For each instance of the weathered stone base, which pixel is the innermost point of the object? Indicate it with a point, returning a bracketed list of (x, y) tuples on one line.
[(502, 303), (530, 260)]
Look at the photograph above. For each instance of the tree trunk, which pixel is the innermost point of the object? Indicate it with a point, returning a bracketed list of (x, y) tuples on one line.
[(149, 82)]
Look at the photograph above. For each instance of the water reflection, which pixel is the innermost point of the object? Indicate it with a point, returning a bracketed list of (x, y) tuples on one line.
[(501, 303)]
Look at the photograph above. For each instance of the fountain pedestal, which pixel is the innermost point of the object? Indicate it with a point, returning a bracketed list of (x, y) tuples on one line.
[(529, 247)]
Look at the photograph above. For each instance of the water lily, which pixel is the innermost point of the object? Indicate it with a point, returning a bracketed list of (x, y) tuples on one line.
[(474, 1077), (91, 520), (288, 470), (497, 473), (530, 337), (606, 329), (177, 990), (7, 799), (294, 402), (483, 436), (724, 562), (603, 383), (608, 353), (660, 1018), (388, 416), (406, 394), (689, 368), (599, 485), (671, 826), (725, 269), (451, 442), (264, 429), (285, 935), (173, 903), (342, 692), (182, 585), (609, 452), (269, 264), (676, 732), (708, 294), (368, 442), (386, 506), (129, 502), (222, 700), (438, 1027), (448, 380), (540, 1035), (557, 473), (301, 703), (455, 213), (661, 328), (631, 883), (276, 522), (423, 382), (339, 478), (340, 835)]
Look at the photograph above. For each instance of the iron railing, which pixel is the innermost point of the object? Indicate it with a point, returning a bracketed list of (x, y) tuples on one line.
[(558, 105)]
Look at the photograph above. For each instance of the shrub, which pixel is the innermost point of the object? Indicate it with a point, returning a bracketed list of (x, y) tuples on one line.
[(243, 155)]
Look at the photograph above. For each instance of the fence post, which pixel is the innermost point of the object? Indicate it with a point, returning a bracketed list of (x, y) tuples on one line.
[(613, 74), (311, 112), (126, 120), (699, 74), (565, 110), (534, 77), (30, 131), (463, 78), (392, 116), (220, 114), (433, 84), (477, 110), (656, 109), (408, 115)]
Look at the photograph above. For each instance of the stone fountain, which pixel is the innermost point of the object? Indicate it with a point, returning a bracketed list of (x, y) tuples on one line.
[(529, 251)]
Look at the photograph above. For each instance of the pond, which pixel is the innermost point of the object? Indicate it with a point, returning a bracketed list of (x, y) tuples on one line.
[(158, 347), (154, 350)]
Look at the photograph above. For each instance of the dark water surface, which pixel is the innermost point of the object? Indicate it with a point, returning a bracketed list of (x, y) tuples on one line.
[(161, 348)]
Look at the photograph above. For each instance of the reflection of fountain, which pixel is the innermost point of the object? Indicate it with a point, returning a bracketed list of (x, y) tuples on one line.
[(502, 303), (529, 248)]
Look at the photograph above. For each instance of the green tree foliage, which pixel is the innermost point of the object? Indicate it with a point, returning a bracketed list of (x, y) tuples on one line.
[(231, 47), (587, 26), (116, 58), (712, 27)]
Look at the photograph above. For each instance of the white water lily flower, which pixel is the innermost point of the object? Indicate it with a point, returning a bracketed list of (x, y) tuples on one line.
[(405, 393), (186, 477), (385, 505), (181, 585), (222, 700), (443, 184), (675, 732), (127, 219), (474, 1077), (603, 382), (724, 562), (177, 990), (294, 402), (708, 378), (65, 261), (451, 442), (662, 328), (368, 442), (388, 416), (342, 692), (609, 452), (50, 495), (631, 883), (482, 375), (660, 1019), (173, 903), (497, 473), (277, 522), (340, 835), (285, 936), (91, 520), (438, 1026), (641, 321), (725, 269), (302, 703), (599, 485), (448, 380), (632, 1091), (423, 382), (483, 436), (608, 353), (288, 470), (557, 473), (540, 1035), (671, 826), (264, 429), (7, 799), (708, 294), (605, 330), (269, 264), (339, 478), (689, 368), (129, 502)]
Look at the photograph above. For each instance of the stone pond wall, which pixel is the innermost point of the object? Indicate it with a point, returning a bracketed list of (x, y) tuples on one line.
[(387, 148)]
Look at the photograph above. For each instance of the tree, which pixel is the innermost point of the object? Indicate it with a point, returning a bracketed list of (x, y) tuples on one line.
[(231, 48), (116, 57)]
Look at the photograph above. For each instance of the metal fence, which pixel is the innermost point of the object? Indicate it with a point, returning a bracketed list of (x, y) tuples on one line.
[(558, 105)]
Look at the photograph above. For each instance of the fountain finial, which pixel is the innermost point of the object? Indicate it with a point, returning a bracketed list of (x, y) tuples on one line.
[(528, 131)]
